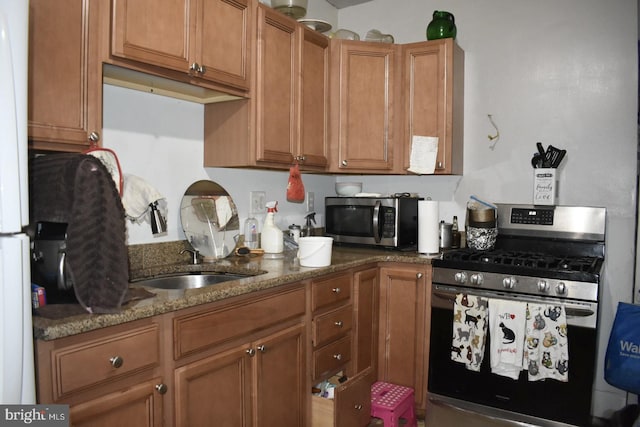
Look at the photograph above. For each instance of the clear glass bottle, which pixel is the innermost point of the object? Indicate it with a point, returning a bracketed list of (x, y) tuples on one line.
[(251, 233)]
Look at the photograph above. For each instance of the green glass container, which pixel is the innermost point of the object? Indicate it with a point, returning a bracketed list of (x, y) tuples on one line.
[(442, 26)]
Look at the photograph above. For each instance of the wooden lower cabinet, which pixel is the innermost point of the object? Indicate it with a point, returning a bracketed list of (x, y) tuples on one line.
[(266, 374), (405, 292), (138, 406)]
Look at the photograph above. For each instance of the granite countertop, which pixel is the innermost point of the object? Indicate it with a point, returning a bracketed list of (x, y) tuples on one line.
[(266, 273)]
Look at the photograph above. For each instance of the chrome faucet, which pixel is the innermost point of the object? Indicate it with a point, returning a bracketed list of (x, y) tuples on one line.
[(195, 259)]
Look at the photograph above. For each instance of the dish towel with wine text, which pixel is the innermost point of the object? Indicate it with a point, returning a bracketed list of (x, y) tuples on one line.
[(547, 349), (469, 330), (507, 320)]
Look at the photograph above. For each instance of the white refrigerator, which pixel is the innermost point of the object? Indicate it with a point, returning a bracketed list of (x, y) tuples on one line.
[(17, 379)]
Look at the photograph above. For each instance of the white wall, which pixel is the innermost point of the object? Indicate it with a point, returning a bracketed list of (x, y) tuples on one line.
[(563, 73)]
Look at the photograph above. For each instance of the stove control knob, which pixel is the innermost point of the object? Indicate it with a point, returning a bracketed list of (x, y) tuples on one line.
[(543, 286), (460, 277), (561, 289), (509, 282), (477, 279)]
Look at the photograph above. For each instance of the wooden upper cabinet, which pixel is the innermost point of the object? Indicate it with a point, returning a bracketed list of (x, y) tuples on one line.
[(433, 89), (286, 118), (363, 110), (65, 74), (205, 39), (314, 111), (276, 94)]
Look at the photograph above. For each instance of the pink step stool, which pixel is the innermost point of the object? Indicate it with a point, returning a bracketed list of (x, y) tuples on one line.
[(391, 402)]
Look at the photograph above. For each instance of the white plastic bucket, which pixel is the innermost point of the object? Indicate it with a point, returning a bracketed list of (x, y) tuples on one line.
[(315, 251)]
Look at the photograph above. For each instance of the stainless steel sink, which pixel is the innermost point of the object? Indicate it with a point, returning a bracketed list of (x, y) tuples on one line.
[(190, 281)]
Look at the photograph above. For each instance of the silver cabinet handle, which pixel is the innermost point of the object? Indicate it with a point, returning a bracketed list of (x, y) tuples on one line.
[(301, 158), (419, 275), (116, 361), (94, 137), (197, 68), (161, 388), (336, 290), (358, 407), (337, 356), (338, 323), (262, 348), (344, 163), (251, 352)]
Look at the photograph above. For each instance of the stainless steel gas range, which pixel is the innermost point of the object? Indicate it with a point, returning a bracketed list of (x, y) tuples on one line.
[(544, 255)]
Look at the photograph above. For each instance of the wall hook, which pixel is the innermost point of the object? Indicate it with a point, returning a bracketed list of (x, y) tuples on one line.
[(496, 137)]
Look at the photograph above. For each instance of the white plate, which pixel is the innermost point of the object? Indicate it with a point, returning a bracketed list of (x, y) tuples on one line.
[(316, 24)]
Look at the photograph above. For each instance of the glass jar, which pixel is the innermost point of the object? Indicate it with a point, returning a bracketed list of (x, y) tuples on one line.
[(442, 26), (294, 8)]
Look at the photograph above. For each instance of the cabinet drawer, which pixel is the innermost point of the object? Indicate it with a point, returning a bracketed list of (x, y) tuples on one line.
[(330, 358), (100, 360), (332, 325), (350, 407), (330, 290), (210, 327)]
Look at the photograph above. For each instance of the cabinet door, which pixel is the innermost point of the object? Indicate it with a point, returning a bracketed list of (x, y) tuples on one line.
[(155, 32), (433, 99), (140, 405), (362, 115), (276, 87), (281, 387), (403, 336), (65, 74), (223, 34), (314, 113), (366, 320), (216, 390)]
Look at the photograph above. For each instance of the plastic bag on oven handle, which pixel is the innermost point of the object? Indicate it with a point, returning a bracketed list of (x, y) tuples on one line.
[(622, 359)]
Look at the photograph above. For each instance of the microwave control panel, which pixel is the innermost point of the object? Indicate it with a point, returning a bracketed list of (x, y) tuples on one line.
[(388, 221)]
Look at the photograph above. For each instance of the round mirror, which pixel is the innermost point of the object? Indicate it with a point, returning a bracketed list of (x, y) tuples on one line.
[(209, 219)]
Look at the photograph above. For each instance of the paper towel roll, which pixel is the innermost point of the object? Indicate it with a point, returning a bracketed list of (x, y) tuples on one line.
[(428, 232)]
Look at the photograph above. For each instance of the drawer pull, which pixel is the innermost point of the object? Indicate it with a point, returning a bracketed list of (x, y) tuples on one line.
[(336, 290), (419, 275), (262, 348), (161, 388), (358, 407), (251, 352), (339, 323), (337, 356), (116, 361)]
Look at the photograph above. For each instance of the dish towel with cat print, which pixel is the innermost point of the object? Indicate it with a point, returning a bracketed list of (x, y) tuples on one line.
[(547, 349), (507, 320), (470, 316)]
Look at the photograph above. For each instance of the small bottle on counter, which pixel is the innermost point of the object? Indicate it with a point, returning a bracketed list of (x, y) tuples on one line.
[(455, 233), (251, 233)]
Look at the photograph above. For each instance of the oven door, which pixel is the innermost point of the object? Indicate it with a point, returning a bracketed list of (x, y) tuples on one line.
[(545, 403)]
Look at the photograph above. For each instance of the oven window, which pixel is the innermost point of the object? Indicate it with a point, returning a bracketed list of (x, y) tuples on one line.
[(568, 402), (354, 221)]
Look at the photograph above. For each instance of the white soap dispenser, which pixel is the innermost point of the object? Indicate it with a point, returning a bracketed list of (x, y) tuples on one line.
[(271, 239)]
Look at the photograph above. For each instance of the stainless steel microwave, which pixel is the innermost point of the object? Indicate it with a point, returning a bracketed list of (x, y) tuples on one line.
[(388, 222)]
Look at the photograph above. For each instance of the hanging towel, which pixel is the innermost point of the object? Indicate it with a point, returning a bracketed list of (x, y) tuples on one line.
[(137, 196), (547, 349), (507, 321), (469, 330)]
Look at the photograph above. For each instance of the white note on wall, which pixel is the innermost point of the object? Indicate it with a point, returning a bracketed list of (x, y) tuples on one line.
[(424, 150)]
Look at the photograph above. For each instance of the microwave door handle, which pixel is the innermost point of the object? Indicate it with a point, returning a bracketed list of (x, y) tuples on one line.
[(376, 222)]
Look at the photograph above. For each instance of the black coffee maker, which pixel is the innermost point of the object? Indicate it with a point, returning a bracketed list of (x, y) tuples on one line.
[(48, 258)]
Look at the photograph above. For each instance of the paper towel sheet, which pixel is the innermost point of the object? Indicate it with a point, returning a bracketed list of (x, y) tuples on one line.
[(424, 150), (428, 227)]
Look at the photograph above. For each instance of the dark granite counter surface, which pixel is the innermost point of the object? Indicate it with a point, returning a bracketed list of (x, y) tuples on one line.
[(264, 273)]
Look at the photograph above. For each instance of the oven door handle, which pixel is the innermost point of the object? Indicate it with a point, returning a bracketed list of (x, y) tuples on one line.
[(570, 309)]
